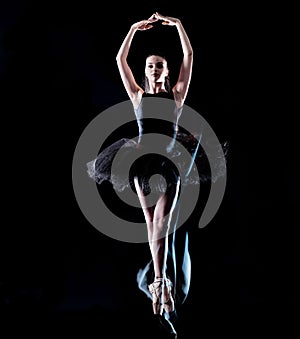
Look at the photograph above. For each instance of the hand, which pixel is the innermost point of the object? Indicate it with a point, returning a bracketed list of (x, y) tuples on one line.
[(166, 20), (153, 17), (143, 25)]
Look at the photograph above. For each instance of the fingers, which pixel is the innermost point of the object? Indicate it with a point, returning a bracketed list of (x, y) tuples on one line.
[(145, 24), (165, 20), (156, 16), (153, 18), (159, 16)]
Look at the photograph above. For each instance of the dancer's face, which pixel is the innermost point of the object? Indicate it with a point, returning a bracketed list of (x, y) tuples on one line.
[(156, 69)]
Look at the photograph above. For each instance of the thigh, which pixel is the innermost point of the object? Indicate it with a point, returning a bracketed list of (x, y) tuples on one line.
[(167, 201)]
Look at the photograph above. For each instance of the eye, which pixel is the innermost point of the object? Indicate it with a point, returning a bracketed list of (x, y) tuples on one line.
[(159, 65), (150, 66)]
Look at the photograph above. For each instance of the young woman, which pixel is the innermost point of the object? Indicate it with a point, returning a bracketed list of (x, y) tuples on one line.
[(159, 213), (159, 279)]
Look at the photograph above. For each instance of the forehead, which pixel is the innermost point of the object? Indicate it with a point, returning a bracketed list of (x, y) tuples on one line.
[(153, 59)]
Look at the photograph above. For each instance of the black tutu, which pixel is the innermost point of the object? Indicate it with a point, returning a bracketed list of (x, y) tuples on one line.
[(133, 162), (137, 160)]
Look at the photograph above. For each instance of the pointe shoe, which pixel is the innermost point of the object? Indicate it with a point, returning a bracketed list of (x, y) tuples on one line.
[(168, 301), (156, 291)]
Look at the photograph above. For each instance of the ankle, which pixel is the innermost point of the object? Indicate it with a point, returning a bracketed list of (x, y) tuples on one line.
[(158, 278)]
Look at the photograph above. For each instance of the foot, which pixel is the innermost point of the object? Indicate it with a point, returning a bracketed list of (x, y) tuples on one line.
[(162, 299), (156, 291), (168, 301)]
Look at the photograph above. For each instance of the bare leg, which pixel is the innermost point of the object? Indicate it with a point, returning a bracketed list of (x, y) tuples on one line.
[(148, 212), (158, 216), (158, 219), (161, 226)]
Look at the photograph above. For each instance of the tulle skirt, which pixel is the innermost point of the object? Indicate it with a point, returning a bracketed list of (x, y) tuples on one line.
[(125, 159)]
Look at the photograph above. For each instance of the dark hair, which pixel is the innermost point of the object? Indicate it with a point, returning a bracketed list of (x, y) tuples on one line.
[(145, 81)]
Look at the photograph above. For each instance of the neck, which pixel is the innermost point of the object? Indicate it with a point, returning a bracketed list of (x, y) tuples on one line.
[(156, 88)]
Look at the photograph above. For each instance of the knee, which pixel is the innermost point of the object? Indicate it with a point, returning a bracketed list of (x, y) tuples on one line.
[(149, 220), (160, 223)]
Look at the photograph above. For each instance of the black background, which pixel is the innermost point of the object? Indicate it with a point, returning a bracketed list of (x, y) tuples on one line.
[(58, 71)]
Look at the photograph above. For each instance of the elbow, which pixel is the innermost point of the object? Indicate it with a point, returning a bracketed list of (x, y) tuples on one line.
[(188, 56), (189, 53), (119, 55), (120, 59)]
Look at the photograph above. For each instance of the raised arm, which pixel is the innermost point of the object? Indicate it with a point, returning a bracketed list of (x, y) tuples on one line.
[(133, 89), (181, 87)]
